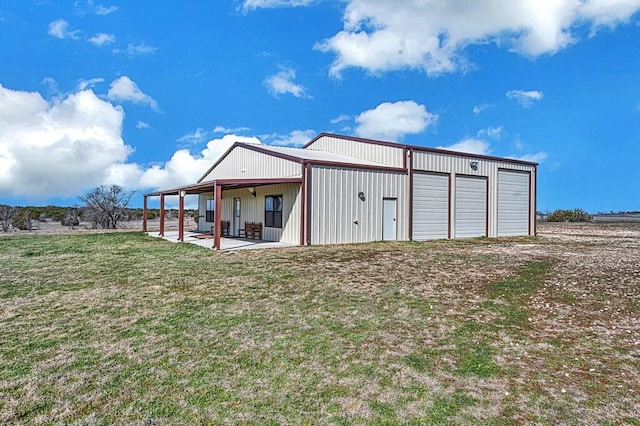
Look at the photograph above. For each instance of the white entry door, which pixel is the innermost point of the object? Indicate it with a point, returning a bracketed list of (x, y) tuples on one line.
[(389, 219), (236, 216)]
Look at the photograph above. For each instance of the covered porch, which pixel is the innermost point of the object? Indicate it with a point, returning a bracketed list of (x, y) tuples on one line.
[(226, 243), (214, 190)]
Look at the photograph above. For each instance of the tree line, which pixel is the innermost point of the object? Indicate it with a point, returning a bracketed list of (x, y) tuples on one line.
[(105, 207)]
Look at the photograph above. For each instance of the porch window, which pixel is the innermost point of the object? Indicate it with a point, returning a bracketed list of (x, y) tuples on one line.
[(273, 211), (209, 214)]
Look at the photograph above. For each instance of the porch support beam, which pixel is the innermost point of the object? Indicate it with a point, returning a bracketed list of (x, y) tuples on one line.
[(181, 217), (162, 215), (144, 215), (217, 195)]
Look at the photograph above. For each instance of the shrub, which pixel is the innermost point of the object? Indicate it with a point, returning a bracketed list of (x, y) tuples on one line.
[(575, 215)]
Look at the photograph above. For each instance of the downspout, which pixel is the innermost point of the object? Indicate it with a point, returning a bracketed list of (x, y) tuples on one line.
[(303, 203), (144, 215), (181, 217), (217, 191), (162, 215)]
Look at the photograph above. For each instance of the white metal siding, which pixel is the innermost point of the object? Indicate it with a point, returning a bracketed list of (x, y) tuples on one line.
[(430, 206), (243, 163), (339, 216), (470, 207), (380, 154), (488, 168), (513, 203), (252, 210)]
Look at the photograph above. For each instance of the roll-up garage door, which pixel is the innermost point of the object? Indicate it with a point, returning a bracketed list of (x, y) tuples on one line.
[(513, 203), (470, 207), (430, 206)]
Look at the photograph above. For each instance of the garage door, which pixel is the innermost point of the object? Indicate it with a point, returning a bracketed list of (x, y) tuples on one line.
[(513, 203), (470, 207), (430, 206)]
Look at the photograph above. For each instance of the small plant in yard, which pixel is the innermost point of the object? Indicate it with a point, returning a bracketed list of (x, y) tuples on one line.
[(575, 215)]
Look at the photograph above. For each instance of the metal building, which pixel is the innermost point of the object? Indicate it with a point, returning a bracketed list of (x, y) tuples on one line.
[(342, 189)]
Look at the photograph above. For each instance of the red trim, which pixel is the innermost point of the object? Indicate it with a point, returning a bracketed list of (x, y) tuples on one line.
[(162, 215), (416, 148), (451, 206), (227, 183), (217, 191), (144, 215), (359, 166), (409, 152), (307, 185), (302, 202), (486, 211), (181, 219)]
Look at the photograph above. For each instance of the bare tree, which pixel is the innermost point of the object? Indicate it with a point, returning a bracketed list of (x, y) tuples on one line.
[(72, 218), (7, 214), (107, 205)]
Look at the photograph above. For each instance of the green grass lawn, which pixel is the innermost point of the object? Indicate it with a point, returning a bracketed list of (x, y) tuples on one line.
[(123, 328)]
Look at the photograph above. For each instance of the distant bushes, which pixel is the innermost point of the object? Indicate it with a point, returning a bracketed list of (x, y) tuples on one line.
[(575, 215)]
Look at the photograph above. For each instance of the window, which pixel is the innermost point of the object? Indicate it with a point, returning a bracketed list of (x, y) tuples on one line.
[(210, 213), (273, 211)]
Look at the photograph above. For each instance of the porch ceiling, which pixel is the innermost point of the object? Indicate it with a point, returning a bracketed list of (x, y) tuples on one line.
[(204, 187)]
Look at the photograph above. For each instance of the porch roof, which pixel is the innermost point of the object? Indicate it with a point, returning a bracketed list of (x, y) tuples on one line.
[(202, 187)]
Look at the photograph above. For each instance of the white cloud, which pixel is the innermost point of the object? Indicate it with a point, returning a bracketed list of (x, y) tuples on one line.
[(248, 5), (57, 148), (525, 98), (538, 157), (295, 138), (491, 132), (88, 84), (125, 89), (142, 125), (283, 82), (105, 10), (60, 29), (136, 49), (385, 35), (101, 39), (184, 168), (477, 109), (392, 121), (340, 119), (197, 136), (470, 145), (222, 129)]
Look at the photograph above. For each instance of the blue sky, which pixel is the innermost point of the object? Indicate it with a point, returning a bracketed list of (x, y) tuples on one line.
[(148, 94)]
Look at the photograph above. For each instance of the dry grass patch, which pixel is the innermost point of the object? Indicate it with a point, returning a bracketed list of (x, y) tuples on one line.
[(122, 328)]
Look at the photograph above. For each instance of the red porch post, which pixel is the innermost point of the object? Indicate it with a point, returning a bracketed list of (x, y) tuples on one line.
[(144, 215), (181, 217), (217, 194), (162, 215)]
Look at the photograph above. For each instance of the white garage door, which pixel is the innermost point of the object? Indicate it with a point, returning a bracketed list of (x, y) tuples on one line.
[(470, 207), (513, 203), (430, 206)]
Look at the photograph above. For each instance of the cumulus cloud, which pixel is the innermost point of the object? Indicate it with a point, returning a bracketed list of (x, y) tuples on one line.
[(60, 29), (101, 39), (296, 138), (184, 168), (526, 98), (136, 50), (470, 145), (491, 132), (392, 121), (222, 129), (385, 35), (283, 82), (248, 5), (125, 89), (57, 148), (194, 137), (88, 84)]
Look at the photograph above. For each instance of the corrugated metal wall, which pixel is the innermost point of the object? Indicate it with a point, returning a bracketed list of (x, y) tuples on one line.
[(339, 216), (436, 162), (243, 163), (252, 210), (381, 154)]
